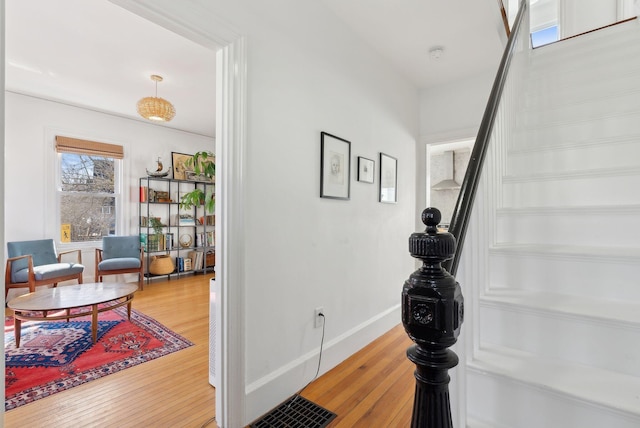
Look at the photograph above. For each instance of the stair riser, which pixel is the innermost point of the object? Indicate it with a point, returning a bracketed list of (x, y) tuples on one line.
[(553, 93), (606, 228), (518, 405), (573, 191), (619, 126), (589, 277), (569, 76), (577, 158), (569, 110), (605, 345)]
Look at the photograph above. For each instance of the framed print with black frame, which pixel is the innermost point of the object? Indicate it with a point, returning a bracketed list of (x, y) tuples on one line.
[(365, 169), (388, 179), (335, 167)]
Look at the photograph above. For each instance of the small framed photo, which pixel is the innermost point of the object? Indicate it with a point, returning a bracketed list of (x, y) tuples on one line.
[(335, 167), (388, 179), (178, 165), (365, 169)]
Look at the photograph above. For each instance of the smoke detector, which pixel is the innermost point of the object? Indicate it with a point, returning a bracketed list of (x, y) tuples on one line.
[(436, 52)]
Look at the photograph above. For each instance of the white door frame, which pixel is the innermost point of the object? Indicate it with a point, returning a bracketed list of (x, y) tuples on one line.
[(231, 113)]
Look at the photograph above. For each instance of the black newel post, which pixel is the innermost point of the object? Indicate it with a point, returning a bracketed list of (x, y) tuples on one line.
[(432, 312)]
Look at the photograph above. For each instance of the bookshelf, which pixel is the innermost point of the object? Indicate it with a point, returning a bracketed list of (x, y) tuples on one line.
[(187, 236)]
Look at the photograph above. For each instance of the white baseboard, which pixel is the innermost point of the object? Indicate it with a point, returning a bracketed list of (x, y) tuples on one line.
[(272, 389)]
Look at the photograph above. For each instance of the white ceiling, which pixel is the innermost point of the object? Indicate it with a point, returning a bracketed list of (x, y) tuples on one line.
[(94, 53), (404, 31)]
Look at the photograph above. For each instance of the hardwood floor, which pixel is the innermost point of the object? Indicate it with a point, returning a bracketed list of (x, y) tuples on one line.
[(372, 388), (171, 391)]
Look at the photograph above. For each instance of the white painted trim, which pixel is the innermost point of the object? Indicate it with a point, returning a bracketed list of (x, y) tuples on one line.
[(571, 175), (279, 382), (231, 110), (231, 113), (225, 33), (3, 178)]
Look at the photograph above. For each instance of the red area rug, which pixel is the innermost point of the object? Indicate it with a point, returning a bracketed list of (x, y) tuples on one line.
[(55, 355)]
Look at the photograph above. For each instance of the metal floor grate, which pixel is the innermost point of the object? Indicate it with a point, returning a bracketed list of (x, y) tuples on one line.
[(296, 412)]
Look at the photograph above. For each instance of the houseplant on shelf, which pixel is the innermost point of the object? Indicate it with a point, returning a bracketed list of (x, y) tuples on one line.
[(154, 239), (204, 167)]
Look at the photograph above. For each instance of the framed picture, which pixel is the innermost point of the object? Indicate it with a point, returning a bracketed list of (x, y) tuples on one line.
[(178, 165), (388, 179), (365, 170), (335, 167)]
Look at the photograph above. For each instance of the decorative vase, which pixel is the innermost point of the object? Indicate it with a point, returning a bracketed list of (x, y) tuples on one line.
[(161, 265)]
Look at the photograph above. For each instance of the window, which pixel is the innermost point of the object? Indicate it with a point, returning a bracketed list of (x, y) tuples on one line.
[(544, 36), (88, 189)]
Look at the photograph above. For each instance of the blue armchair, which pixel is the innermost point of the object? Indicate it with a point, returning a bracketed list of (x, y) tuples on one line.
[(34, 263), (118, 255)]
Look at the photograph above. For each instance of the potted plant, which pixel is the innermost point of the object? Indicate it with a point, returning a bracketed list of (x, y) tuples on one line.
[(156, 224), (154, 240), (204, 167)]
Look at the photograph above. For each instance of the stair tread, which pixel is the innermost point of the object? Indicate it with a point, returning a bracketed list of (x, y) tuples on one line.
[(611, 310), (594, 172), (474, 423), (567, 144), (597, 386), (569, 209), (622, 253)]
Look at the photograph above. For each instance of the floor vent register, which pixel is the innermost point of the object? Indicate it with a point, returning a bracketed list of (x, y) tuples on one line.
[(296, 412)]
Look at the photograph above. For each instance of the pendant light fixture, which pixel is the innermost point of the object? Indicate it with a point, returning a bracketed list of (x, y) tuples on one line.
[(156, 108)]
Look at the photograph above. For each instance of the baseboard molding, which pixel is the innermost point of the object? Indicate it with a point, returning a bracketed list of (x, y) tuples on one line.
[(266, 392)]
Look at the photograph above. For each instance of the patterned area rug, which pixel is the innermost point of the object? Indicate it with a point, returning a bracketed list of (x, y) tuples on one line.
[(56, 355)]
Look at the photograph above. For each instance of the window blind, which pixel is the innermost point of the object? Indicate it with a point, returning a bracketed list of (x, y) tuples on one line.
[(86, 147)]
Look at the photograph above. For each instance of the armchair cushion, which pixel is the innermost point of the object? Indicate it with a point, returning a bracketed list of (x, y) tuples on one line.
[(120, 263), (42, 251), (118, 255), (119, 247), (45, 260), (46, 272), (34, 263)]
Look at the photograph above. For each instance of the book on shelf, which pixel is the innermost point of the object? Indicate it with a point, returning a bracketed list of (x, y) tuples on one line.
[(207, 239), (169, 242), (186, 220), (197, 259), (152, 242), (143, 193)]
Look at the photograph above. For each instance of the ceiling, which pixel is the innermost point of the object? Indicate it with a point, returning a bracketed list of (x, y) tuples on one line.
[(102, 56), (95, 53)]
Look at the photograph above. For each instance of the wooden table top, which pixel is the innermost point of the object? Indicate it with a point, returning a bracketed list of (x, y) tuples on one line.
[(72, 296)]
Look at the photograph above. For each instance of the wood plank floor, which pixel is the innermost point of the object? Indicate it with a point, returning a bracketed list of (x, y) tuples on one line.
[(171, 391), (372, 388)]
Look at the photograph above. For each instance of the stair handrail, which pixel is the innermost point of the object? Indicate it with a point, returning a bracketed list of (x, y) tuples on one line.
[(464, 204)]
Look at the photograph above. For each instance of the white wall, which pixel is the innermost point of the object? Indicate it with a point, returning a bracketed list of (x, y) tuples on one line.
[(449, 113), (308, 73), (31, 127)]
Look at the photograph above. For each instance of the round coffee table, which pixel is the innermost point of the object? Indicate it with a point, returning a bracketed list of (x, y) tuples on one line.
[(91, 298)]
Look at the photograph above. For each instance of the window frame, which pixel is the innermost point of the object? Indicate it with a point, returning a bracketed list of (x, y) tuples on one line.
[(118, 200)]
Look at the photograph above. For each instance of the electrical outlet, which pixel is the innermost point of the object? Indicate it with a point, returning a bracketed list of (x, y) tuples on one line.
[(318, 320)]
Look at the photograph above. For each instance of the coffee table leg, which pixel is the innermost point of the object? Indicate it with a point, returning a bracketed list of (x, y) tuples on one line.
[(129, 309), (17, 325), (94, 323)]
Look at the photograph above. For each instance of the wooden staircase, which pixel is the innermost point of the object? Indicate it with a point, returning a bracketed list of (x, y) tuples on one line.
[(556, 327)]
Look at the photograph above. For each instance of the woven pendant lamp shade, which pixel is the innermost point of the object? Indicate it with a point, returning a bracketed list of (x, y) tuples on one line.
[(156, 108)]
